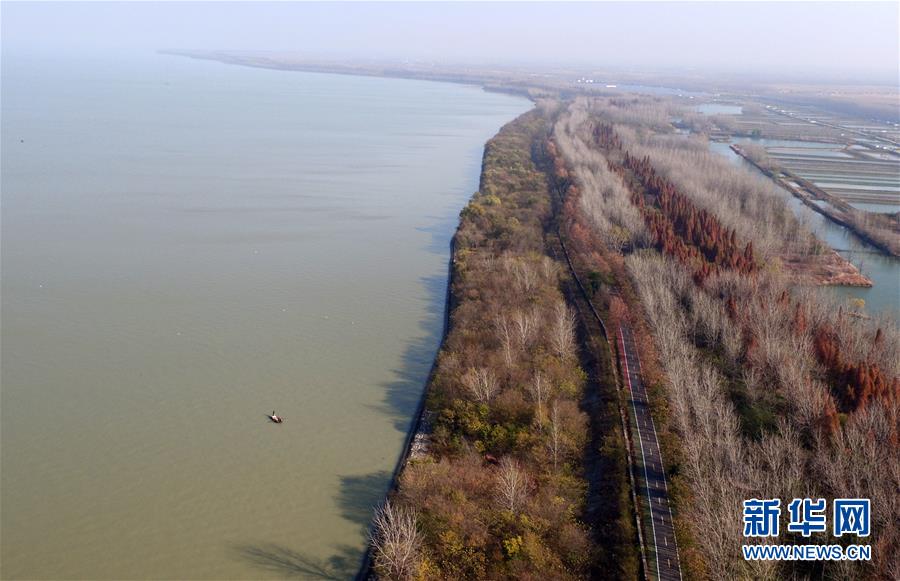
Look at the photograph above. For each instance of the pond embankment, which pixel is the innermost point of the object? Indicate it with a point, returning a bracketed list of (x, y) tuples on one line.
[(833, 208)]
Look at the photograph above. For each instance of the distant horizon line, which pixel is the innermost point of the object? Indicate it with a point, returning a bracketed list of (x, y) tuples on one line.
[(690, 74)]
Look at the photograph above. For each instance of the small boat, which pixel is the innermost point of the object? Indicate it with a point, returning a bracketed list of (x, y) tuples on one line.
[(275, 419)]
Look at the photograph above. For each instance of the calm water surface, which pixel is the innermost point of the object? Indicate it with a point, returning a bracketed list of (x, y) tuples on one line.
[(186, 247), (718, 109)]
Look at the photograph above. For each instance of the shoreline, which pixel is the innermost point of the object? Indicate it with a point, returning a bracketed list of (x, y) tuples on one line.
[(506, 85), (417, 435), (477, 389), (417, 425)]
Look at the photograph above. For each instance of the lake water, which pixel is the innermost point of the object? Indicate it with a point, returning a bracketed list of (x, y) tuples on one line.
[(884, 296), (718, 109), (186, 247), (654, 90), (878, 208)]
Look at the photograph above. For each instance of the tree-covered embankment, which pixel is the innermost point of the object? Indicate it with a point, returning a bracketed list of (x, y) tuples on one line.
[(495, 486)]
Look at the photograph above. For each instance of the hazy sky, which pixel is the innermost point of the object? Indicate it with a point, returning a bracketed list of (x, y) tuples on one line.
[(846, 40)]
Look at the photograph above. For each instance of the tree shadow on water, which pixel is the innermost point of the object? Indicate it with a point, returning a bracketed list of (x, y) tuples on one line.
[(441, 230), (402, 396), (359, 495), (294, 564)]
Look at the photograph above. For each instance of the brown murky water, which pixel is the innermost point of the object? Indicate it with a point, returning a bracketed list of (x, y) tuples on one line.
[(187, 246)]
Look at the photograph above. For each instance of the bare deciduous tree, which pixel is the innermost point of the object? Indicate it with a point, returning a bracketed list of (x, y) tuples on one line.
[(524, 325), (512, 485), (562, 331), (604, 199), (549, 269), (555, 441), (396, 542), (504, 329), (538, 388), (481, 383), (526, 276)]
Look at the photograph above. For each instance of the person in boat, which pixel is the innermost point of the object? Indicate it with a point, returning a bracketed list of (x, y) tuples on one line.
[(275, 418)]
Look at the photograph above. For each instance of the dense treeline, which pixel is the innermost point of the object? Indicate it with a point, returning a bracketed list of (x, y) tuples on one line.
[(678, 227), (683, 231), (855, 383), (881, 229), (581, 168), (768, 390), (749, 364), (751, 206), (499, 490)]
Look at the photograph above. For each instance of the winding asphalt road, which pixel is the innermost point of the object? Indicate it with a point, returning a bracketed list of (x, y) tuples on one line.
[(663, 561)]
